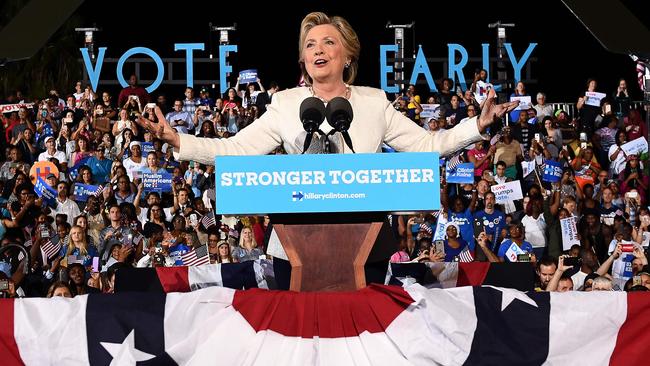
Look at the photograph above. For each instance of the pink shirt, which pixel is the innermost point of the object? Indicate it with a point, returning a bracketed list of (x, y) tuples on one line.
[(478, 155)]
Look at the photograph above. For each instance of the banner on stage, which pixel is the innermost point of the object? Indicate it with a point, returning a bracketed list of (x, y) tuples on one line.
[(334, 183)]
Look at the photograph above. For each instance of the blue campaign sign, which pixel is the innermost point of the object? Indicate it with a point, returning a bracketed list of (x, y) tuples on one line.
[(461, 173), (327, 183), (45, 192), (552, 171), (248, 76), (158, 182), (83, 191), (147, 147)]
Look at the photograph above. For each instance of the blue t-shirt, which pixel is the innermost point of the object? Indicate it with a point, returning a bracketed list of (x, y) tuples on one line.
[(493, 223), (451, 253), (101, 169), (87, 259), (465, 222), (525, 246)]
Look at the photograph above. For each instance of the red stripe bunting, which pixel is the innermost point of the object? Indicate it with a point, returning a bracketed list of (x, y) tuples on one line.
[(323, 314), (633, 337), (8, 346), (174, 279)]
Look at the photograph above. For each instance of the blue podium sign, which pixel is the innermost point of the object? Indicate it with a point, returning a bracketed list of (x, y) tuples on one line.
[(327, 183)]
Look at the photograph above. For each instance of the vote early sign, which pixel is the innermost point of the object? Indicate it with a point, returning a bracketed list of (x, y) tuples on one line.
[(327, 183)]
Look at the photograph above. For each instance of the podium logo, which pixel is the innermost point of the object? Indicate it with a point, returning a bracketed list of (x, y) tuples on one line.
[(297, 196)]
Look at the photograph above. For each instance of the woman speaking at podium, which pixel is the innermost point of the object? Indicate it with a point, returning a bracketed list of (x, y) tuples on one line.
[(329, 54)]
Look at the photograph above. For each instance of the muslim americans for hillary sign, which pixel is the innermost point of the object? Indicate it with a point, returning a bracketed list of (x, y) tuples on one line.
[(327, 183)]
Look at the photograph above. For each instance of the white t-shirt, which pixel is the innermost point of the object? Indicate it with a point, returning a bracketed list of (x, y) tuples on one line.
[(133, 168), (618, 164), (578, 280), (58, 155), (535, 230)]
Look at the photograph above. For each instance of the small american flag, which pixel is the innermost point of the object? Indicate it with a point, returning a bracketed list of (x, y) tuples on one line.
[(100, 190), (208, 220), (196, 257), (50, 250), (640, 73), (466, 256), (454, 161)]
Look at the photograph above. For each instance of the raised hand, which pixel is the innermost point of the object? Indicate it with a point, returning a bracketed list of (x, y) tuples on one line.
[(492, 111), (162, 130)]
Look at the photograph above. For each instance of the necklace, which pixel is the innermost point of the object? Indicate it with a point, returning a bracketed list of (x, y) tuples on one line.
[(346, 95)]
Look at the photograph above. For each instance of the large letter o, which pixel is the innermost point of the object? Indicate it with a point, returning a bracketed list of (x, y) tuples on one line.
[(149, 52)]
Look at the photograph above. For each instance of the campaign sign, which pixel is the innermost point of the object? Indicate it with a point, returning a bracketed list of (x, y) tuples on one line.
[(147, 147), (461, 173), (430, 111), (45, 192), (552, 171), (248, 76), (594, 98), (327, 183), (83, 191), (157, 182), (513, 252), (524, 102), (507, 192), (569, 232), (635, 147)]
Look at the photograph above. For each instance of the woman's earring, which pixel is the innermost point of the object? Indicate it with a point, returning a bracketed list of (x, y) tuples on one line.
[(347, 64)]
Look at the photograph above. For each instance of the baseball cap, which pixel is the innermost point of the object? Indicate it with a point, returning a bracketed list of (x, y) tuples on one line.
[(51, 175), (48, 138), (135, 143)]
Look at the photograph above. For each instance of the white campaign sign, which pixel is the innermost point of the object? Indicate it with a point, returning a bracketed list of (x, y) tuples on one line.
[(524, 102), (430, 111), (594, 98), (507, 192), (569, 232), (636, 146)]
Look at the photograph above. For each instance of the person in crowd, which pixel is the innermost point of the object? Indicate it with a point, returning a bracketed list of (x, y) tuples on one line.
[(633, 178), (133, 90), (454, 245), (52, 152), (247, 249), (77, 249), (635, 126), (59, 289), (517, 235), (543, 109), (545, 269)]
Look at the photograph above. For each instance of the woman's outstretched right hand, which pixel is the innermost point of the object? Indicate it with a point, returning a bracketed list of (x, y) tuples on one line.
[(161, 129)]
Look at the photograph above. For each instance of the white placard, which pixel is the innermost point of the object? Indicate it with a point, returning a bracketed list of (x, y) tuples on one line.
[(430, 111), (524, 102), (569, 232), (507, 192), (636, 146), (594, 98)]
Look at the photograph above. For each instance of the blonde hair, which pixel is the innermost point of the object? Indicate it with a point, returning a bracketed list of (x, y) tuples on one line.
[(71, 246), (241, 237), (349, 40)]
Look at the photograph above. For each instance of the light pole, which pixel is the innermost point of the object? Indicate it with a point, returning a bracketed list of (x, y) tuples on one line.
[(89, 41), (502, 75), (224, 38), (399, 58)]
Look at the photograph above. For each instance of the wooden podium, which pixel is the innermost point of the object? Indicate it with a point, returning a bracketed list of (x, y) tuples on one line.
[(328, 251)]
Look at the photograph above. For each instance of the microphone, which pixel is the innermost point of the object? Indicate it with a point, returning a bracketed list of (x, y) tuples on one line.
[(312, 114), (339, 116)]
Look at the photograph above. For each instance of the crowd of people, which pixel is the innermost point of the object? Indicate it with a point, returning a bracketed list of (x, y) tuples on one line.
[(93, 141), (602, 185)]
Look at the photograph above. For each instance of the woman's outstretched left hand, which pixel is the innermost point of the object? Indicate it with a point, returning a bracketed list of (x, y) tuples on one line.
[(492, 111)]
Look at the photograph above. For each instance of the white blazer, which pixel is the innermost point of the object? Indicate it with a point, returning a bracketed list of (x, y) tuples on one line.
[(375, 121)]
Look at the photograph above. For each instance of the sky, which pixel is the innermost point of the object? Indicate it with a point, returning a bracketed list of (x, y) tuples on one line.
[(267, 37)]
